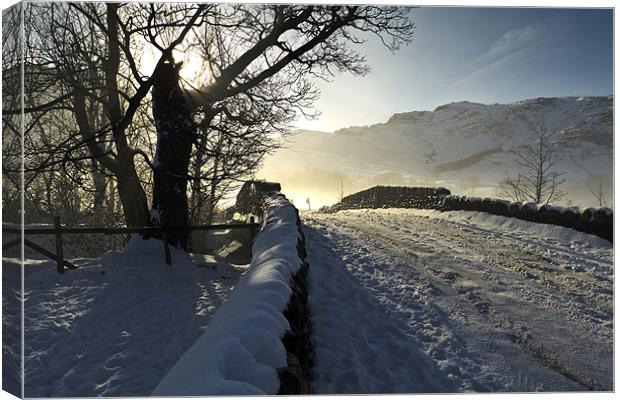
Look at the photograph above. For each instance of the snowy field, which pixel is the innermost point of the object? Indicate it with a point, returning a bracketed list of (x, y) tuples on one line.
[(126, 324), (118, 323), (415, 301)]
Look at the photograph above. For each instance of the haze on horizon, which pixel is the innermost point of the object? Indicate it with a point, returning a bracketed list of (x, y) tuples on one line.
[(485, 55)]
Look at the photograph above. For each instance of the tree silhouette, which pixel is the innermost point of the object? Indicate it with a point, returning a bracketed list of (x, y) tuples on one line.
[(538, 179), (597, 186), (84, 68)]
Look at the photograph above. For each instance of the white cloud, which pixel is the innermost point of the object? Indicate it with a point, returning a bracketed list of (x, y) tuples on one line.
[(511, 41), (505, 49)]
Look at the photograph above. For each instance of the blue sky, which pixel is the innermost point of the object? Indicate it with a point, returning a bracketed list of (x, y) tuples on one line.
[(487, 55)]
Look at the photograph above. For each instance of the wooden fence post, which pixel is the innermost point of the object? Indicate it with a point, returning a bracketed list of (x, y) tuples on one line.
[(59, 248), (164, 238), (254, 231)]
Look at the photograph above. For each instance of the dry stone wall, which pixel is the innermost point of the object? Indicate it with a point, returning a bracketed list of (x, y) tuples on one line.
[(596, 221), (392, 197)]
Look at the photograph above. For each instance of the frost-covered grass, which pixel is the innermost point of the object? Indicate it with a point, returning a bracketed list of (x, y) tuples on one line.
[(242, 348), (117, 324)]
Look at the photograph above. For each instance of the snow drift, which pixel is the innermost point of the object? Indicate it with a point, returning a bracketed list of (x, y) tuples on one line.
[(117, 324), (242, 349)]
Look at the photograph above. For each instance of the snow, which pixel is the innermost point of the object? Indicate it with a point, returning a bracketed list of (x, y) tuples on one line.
[(154, 216), (156, 161), (117, 324), (358, 348), (512, 227), (242, 348), (11, 326), (401, 301), (419, 301), (123, 324)]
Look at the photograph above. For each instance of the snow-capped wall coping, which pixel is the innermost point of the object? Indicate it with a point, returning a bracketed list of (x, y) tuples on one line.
[(242, 348)]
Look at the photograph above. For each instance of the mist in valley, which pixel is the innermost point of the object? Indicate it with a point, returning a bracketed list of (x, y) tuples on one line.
[(469, 148), (326, 187)]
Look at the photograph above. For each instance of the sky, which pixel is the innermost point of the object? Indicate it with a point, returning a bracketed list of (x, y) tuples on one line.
[(486, 55)]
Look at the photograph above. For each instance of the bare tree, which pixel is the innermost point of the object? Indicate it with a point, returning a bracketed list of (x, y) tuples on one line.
[(82, 70), (600, 186), (94, 117), (538, 179), (259, 58), (597, 186)]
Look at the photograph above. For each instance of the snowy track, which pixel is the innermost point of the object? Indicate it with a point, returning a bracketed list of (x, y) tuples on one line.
[(406, 301)]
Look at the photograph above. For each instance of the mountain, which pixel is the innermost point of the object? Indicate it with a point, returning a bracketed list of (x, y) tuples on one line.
[(464, 146)]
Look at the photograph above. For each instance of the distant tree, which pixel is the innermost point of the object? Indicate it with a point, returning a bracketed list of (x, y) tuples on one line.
[(341, 190), (537, 179), (597, 185), (510, 187)]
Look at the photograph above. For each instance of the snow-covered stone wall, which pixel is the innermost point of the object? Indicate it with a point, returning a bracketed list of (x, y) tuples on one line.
[(391, 197), (257, 342), (597, 221)]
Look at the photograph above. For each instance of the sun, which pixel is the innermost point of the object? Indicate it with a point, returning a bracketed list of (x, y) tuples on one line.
[(194, 70)]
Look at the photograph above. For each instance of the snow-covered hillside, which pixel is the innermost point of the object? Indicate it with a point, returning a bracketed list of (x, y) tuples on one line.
[(464, 146)]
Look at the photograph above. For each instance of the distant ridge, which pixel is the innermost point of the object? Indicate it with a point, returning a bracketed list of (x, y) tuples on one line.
[(461, 144)]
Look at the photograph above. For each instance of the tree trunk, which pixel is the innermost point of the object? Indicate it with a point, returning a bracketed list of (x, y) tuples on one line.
[(212, 193), (175, 135), (99, 183), (196, 184), (133, 198)]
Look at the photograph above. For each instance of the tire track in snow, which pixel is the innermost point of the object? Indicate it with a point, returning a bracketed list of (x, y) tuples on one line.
[(358, 347), (553, 356), (484, 292), (556, 282)]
